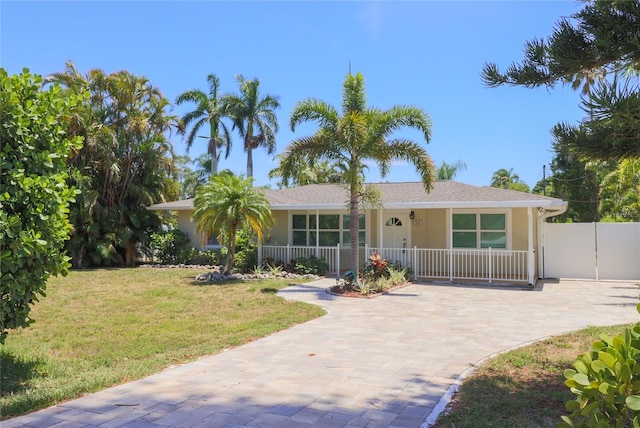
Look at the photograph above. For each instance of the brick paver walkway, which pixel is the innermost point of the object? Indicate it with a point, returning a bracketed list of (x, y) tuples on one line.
[(383, 362)]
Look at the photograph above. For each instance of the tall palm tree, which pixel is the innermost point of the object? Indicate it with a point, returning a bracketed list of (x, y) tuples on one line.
[(210, 110), (360, 133), (228, 203), (503, 178), (254, 117), (448, 171)]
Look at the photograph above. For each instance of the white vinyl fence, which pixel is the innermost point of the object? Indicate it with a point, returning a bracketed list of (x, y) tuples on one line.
[(449, 264), (597, 251)]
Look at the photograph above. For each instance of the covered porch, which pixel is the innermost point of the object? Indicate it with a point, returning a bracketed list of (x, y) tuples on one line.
[(485, 265)]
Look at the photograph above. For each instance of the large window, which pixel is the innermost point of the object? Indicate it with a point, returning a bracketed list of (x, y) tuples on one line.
[(481, 230), (325, 229)]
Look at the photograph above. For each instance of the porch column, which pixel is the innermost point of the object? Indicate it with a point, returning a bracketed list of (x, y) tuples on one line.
[(380, 220), (531, 258), (317, 233)]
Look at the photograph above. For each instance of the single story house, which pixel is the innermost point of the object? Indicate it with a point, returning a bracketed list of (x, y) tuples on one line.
[(456, 231)]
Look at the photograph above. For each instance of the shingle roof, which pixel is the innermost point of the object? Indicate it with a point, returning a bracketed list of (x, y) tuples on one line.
[(396, 195), (410, 194)]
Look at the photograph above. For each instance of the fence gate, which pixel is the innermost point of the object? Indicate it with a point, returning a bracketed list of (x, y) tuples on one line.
[(597, 251)]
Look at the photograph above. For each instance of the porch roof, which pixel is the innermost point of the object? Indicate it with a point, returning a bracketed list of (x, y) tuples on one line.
[(445, 194)]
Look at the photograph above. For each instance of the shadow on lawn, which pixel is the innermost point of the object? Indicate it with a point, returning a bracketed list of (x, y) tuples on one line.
[(16, 373)]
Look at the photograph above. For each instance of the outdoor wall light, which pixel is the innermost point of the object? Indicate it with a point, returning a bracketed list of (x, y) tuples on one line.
[(412, 215)]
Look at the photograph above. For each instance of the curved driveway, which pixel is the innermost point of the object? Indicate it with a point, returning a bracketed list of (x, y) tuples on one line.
[(383, 362)]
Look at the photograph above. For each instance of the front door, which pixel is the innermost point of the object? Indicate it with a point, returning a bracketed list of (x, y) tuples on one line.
[(395, 230)]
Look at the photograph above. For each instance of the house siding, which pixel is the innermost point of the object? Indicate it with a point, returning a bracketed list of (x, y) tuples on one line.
[(519, 229), (186, 225)]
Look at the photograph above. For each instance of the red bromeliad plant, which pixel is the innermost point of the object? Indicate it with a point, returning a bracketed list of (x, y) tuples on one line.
[(376, 267)]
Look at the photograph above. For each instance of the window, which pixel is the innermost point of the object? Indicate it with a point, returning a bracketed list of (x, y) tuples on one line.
[(482, 230), (325, 229), (212, 240)]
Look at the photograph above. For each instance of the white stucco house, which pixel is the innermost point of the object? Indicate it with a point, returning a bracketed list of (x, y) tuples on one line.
[(456, 231)]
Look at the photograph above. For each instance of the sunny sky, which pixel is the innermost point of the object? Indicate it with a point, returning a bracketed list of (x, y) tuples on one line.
[(428, 54)]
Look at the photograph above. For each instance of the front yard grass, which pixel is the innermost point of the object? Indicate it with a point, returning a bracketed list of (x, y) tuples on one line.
[(523, 387), (99, 328)]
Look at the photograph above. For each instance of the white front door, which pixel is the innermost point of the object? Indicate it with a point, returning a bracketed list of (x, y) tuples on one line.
[(395, 230)]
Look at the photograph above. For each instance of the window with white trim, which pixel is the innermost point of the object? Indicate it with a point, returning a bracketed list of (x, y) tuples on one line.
[(479, 230), (328, 229)]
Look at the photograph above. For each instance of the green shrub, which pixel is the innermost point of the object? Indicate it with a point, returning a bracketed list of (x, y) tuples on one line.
[(207, 257), (310, 265), (171, 247), (606, 382), (246, 257), (34, 198)]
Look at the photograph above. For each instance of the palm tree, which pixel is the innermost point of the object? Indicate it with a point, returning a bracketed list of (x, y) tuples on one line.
[(503, 178), (254, 117), (210, 110), (228, 203), (319, 172), (448, 171), (125, 164), (360, 133)]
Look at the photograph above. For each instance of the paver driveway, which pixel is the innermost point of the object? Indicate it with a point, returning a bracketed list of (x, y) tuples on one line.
[(369, 362)]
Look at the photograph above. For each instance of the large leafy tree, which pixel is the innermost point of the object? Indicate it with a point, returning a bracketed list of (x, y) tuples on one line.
[(597, 49), (35, 197), (125, 164), (209, 111), (254, 117), (227, 204), (360, 133), (620, 192)]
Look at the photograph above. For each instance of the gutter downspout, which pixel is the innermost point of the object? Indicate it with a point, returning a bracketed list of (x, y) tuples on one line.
[(543, 215)]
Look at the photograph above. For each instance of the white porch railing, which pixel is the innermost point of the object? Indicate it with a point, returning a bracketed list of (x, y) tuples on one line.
[(468, 264), (285, 253)]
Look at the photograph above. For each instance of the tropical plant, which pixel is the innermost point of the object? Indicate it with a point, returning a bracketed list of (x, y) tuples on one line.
[(620, 192), (605, 383), (596, 49), (376, 267), (171, 247), (360, 133), (319, 172), (210, 110), (503, 178), (35, 197), (311, 265), (254, 117), (228, 203), (448, 171), (124, 166)]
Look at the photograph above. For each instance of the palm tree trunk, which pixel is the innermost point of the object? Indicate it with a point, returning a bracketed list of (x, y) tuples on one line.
[(249, 161), (231, 253), (353, 232), (214, 156)]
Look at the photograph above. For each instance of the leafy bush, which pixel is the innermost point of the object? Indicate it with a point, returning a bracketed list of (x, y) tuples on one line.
[(311, 265), (246, 257), (207, 257), (606, 382), (171, 247), (34, 197), (399, 267)]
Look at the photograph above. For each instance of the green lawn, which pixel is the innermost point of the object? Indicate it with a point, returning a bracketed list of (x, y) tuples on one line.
[(98, 328), (522, 388)]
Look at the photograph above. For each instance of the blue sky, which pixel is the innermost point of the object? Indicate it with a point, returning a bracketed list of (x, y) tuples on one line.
[(428, 54)]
